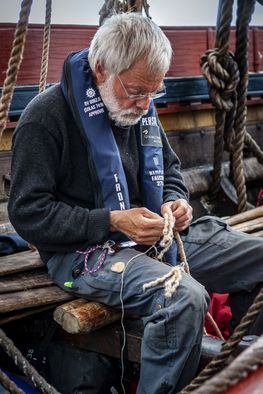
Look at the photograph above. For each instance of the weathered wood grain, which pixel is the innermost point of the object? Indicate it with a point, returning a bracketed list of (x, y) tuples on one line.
[(31, 298), (20, 262), (250, 225), (245, 216), (24, 281), (81, 316)]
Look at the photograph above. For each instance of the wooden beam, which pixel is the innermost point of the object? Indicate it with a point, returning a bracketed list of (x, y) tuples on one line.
[(82, 316), (245, 216), (24, 281), (30, 298), (20, 262)]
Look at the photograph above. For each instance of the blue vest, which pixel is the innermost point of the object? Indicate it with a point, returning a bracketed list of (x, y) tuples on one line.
[(91, 116)]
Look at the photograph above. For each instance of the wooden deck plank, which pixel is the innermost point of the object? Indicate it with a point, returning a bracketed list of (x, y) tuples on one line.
[(31, 298), (24, 281), (20, 262)]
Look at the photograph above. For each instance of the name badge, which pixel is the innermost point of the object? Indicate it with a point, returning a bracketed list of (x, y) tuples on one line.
[(150, 136)]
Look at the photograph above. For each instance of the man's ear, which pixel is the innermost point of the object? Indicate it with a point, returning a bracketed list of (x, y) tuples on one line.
[(100, 73)]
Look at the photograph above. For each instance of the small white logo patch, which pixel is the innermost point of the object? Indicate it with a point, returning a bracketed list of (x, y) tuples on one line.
[(90, 93)]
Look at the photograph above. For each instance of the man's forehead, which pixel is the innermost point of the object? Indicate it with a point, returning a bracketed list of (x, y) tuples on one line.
[(138, 75)]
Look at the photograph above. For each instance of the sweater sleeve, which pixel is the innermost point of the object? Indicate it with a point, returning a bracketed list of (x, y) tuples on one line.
[(174, 185), (34, 210)]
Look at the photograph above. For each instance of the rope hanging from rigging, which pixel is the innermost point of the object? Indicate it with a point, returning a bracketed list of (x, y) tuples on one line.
[(219, 362), (111, 7), (14, 63), (45, 49), (23, 364), (227, 75)]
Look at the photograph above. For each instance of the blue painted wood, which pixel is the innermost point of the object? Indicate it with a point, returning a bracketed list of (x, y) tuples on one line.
[(187, 89)]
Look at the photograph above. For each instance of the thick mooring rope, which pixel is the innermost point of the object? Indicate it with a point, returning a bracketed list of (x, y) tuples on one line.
[(45, 49), (228, 348), (23, 364), (249, 361), (14, 63)]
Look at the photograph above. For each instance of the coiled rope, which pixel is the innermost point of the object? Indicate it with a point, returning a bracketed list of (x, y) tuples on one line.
[(14, 63), (228, 347), (45, 48)]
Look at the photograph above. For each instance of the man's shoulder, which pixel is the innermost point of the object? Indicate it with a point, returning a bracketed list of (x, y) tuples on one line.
[(44, 106)]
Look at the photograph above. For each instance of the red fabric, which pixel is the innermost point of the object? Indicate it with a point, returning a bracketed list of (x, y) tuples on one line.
[(221, 313)]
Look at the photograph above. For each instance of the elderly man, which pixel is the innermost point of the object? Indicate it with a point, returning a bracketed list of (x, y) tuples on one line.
[(93, 175)]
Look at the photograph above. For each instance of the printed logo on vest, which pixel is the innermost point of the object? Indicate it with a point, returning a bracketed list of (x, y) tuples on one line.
[(90, 93), (150, 136)]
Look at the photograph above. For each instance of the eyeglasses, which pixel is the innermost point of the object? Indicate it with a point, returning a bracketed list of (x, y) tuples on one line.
[(140, 96)]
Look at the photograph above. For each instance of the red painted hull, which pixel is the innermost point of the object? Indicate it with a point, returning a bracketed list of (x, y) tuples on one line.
[(253, 384), (189, 44)]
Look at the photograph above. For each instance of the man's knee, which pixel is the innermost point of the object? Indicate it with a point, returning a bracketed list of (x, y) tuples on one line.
[(190, 295)]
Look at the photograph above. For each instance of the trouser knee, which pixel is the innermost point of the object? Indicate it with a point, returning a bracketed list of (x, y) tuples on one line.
[(190, 295)]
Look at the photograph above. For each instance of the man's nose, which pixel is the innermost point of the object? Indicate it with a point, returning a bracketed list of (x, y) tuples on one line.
[(143, 103)]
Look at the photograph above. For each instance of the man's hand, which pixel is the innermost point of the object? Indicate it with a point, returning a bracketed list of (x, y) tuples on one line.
[(182, 212), (139, 224)]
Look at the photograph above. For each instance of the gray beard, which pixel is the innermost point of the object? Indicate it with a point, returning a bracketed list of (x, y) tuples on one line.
[(121, 117)]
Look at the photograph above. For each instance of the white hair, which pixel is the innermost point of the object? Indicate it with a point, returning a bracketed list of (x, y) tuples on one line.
[(127, 38)]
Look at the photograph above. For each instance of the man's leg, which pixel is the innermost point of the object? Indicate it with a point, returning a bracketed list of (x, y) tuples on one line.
[(173, 327), (226, 261)]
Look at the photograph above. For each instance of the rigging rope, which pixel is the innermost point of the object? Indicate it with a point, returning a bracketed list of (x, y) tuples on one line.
[(14, 63), (45, 49), (9, 384), (227, 76), (250, 360), (228, 347), (23, 364), (111, 7)]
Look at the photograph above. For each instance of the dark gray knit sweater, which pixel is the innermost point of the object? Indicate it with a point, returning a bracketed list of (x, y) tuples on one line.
[(51, 202)]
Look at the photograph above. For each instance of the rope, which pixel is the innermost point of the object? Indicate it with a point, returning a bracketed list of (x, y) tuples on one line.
[(228, 347), (221, 72), (45, 48), (111, 7), (248, 362), (245, 11), (27, 369), (172, 279), (14, 63), (227, 77), (9, 384)]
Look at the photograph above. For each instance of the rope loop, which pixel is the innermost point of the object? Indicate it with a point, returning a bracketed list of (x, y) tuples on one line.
[(222, 75)]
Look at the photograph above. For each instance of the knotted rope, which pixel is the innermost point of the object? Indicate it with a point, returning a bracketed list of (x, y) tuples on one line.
[(45, 48), (172, 279), (227, 76), (228, 347), (14, 63)]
